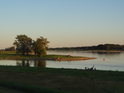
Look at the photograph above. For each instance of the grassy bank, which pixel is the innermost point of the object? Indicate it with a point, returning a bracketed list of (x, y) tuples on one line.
[(42, 80), (11, 55)]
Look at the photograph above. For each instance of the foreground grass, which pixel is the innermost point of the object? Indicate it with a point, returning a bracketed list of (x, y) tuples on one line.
[(46, 80), (8, 90)]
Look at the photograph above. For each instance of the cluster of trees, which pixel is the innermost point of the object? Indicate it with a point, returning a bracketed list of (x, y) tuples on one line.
[(98, 47), (12, 48), (26, 45)]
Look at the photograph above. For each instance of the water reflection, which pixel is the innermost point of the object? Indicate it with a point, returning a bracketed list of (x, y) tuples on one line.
[(31, 63)]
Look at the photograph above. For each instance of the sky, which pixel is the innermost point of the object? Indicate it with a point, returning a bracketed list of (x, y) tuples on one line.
[(65, 23)]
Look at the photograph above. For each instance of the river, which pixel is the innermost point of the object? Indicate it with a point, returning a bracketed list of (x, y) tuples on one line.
[(103, 61)]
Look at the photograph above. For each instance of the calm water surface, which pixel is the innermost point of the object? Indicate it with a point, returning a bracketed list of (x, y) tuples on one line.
[(104, 61)]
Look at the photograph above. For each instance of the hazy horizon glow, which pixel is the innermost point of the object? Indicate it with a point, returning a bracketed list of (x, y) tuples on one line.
[(66, 23)]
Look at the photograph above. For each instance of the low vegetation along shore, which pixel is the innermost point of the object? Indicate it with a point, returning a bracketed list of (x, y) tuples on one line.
[(47, 80), (11, 55)]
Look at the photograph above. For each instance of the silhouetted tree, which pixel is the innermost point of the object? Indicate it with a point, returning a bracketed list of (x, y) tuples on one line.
[(40, 46), (23, 44)]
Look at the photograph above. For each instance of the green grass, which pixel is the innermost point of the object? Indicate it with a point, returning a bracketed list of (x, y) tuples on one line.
[(7, 52), (8, 90), (61, 56), (33, 56), (48, 80), (11, 55), (20, 87)]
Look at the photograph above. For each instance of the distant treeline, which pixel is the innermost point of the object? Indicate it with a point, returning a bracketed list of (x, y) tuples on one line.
[(98, 47), (12, 48)]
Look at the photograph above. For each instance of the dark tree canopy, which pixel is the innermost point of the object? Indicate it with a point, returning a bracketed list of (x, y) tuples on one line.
[(23, 44), (40, 46)]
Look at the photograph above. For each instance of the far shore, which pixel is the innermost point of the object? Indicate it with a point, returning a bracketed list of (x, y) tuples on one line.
[(107, 51), (93, 51)]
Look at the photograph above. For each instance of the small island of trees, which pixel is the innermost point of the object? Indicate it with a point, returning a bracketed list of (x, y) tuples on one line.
[(25, 48), (26, 45)]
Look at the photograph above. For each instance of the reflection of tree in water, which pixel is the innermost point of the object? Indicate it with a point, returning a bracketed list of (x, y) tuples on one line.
[(39, 63), (24, 63), (33, 63)]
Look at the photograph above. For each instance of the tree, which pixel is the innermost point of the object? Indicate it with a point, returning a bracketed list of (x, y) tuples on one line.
[(23, 44), (40, 46)]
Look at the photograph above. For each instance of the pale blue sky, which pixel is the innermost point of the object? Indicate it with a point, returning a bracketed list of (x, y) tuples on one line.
[(64, 22)]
